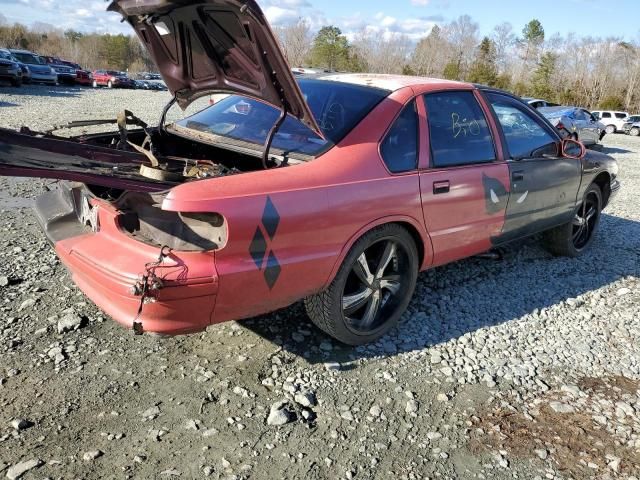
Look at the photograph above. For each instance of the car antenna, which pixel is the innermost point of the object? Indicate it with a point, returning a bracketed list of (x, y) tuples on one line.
[(271, 136)]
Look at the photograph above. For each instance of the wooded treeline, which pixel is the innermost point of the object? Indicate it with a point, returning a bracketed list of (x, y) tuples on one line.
[(92, 51), (586, 71), (570, 70)]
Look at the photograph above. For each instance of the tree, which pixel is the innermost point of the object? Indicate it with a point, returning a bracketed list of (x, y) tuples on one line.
[(452, 71), (532, 39), (380, 54), (541, 82), (503, 41), (462, 38), (428, 58), (612, 102), (484, 70), (330, 48), (296, 41)]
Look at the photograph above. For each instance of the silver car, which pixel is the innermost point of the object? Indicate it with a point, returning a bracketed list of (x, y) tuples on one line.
[(575, 122), (40, 71)]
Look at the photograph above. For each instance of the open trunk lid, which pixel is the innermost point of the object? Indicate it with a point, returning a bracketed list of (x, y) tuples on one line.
[(208, 46)]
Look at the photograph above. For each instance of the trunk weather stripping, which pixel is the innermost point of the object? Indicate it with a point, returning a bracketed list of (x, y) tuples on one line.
[(147, 287)]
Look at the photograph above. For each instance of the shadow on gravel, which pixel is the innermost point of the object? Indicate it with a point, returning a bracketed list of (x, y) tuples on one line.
[(7, 104), (614, 150), (472, 294)]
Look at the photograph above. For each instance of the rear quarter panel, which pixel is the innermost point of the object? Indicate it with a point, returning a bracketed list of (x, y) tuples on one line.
[(290, 228)]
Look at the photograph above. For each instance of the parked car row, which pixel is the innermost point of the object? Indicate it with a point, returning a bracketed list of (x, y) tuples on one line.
[(581, 124), (23, 66)]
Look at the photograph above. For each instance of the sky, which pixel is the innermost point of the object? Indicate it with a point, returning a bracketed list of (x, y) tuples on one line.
[(414, 18)]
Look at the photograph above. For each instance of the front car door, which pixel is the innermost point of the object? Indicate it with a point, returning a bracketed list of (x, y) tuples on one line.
[(544, 185), (464, 185)]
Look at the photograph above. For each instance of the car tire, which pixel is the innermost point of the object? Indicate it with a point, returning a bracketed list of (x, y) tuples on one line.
[(611, 129), (94, 84), (634, 132), (377, 279), (16, 82), (109, 84), (576, 236)]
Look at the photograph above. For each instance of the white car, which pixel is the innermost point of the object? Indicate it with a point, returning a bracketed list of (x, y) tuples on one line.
[(539, 103), (613, 120)]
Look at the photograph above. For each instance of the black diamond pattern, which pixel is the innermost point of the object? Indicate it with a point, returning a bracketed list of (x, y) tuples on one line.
[(270, 218), (258, 248), (272, 272)]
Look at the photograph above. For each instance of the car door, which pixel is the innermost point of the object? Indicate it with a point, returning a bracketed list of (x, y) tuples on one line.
[(544, 185), (584, 128), (464, 186)]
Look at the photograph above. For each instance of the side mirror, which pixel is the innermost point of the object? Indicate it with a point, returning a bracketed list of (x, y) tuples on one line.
[(572, 149)]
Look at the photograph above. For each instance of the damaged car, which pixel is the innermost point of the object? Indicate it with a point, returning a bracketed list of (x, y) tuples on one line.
[(336, 188)]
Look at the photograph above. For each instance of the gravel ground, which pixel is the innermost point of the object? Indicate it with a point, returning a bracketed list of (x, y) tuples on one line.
[(527, 367)]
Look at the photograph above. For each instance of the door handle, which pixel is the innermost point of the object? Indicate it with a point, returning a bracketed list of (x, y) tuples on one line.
[(441, 187), (517, 176)]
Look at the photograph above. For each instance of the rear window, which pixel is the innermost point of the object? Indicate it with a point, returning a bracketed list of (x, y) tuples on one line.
[(337, 107)]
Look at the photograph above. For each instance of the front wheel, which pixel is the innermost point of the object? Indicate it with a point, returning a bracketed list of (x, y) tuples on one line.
[(573, 238), (372, 288), (611, 129), (634, 132), (109, 84)]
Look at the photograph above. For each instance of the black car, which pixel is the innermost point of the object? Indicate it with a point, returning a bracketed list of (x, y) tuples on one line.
[(10, 68)]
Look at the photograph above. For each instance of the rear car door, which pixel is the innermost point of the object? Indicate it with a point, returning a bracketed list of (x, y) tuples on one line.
[(544, 185), (588, 128), (464, 185)]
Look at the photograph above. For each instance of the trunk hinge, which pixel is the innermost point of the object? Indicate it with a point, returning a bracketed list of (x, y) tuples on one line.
[(270, 137), (147, 287)]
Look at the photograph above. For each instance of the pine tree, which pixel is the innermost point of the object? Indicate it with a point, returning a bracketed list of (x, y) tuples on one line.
[(484, 69)]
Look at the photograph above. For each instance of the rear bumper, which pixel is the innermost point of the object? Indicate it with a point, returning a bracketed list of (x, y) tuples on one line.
[(107, 264)]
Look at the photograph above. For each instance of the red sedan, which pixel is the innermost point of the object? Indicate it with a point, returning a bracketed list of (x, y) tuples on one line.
[(338, 189)]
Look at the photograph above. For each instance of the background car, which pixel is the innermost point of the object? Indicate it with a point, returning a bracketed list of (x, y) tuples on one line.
[(40, 71), (613, 120), (83, 77), (66, 73), (10, 69), (112, 79), (538, 103), (576, 122), (631, 124)]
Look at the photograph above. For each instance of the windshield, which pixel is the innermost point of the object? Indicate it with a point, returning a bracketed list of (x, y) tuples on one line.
[(28, 58), (6, 56), (337, 107), (634, 118)]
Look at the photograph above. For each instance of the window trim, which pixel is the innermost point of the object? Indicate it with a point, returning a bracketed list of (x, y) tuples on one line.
[(517, 103), (479, 100), (387, 131)]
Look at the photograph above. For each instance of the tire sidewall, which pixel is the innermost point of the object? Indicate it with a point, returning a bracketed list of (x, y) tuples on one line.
[(390, 232), (593, 189)]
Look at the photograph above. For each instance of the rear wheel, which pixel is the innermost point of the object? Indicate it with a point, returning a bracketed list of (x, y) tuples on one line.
[(611, 129), (109, 84), (634, 132), (94, 84), (16, 82), (573, 238), (372, 288)]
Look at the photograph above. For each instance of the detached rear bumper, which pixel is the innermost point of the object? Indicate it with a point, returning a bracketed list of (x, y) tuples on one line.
[(107, 264)]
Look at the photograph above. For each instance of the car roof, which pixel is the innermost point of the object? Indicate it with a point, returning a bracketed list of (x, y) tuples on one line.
[(557, 109), (386, 82), (15, 50)]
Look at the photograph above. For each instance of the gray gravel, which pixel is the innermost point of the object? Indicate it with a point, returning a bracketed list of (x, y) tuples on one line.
[(528, 367)]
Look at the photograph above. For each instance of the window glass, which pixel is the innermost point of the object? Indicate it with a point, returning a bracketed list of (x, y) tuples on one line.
[(606, 115), (459, 134), (400, 147), (337, 107), (621, 115), (522, 132)]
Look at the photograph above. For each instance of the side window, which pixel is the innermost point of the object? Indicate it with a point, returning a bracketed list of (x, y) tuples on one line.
[(606, 115), (458, 130), (524, 135), (621, 115), (400, 147)]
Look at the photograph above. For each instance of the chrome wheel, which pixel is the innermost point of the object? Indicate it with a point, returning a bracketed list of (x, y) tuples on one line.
[(610, 129), (585, 221), (376, 286)]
